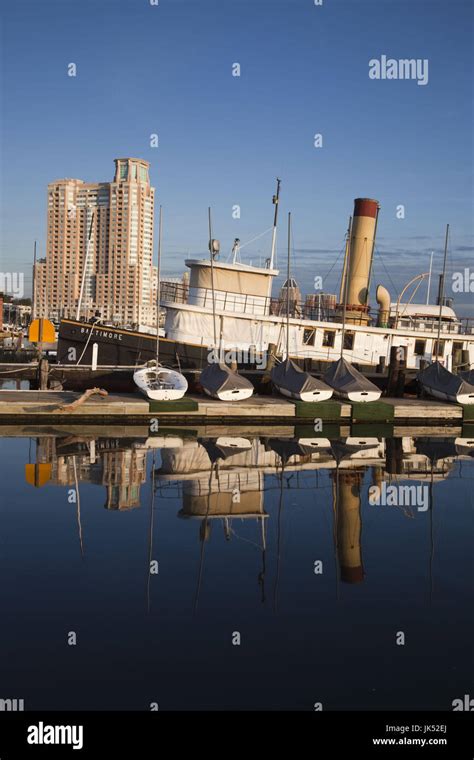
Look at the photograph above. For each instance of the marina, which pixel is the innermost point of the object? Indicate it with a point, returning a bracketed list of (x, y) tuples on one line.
[(236, 375)]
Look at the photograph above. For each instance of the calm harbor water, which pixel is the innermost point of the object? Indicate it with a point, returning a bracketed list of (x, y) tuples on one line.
[(270, 540)]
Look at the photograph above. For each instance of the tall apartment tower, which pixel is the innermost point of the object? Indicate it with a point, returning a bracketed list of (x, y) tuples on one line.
[(116, 275)]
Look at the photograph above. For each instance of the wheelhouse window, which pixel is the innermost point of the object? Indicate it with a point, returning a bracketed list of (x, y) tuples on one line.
[(349, 341), (438, 351), (308, 336), (329, 337), (420, 347)]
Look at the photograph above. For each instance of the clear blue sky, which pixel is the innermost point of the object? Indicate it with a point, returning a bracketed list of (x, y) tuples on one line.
[(143, 69)]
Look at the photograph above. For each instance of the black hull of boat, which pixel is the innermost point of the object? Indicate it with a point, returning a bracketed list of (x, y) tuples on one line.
[(123, 348), (127, 349)]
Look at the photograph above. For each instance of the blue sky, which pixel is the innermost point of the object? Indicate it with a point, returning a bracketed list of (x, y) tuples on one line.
[(167, 69)]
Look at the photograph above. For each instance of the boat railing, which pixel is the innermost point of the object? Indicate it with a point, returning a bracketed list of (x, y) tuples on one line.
[(462, 326), (247, 303)]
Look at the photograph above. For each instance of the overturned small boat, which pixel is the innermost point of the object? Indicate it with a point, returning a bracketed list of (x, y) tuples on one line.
[(159, 383), (439, 382), (293, 382), (220, 382), (349, 383)]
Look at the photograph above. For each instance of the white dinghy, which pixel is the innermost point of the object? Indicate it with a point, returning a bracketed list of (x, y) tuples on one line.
[(293, 382), (159, 383), (349, 383), (154, 381), (439, 382), (220, 382)]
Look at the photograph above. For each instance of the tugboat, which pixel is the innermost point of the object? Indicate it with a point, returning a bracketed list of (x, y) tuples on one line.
[(251, 324)]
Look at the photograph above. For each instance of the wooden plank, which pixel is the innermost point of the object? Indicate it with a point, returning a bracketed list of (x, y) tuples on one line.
[(330, 430), (418, 409), (468, 431), (322, 410), (374, 411), (372, 429), (256, 406), (179, 405), (468, 413)]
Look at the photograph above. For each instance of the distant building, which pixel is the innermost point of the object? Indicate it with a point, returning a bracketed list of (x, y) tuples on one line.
[(290, 294), (119, 273)]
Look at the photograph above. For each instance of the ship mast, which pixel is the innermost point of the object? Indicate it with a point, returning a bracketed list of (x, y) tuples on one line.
[(346, 282), (158, 275), (276, 199), (441, 293)]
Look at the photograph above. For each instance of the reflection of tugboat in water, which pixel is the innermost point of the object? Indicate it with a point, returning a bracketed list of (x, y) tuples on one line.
[(251, 323)]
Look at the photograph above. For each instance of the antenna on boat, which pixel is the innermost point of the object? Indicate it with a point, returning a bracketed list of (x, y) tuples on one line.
[(235, 250), (86, 261), (213, 249), (346, 282), (288, 291), (158, 275), (441, 292), (276, 199)]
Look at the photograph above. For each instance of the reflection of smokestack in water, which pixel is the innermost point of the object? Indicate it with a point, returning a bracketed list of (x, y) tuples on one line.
[(360, 253), (349, 526)]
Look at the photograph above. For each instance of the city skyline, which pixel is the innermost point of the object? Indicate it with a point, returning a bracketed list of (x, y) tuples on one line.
[(222, 139)]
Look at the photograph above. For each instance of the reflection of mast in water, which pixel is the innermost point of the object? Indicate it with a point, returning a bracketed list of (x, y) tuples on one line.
[(150, 530), (227, 493), (78, 505), (204, 534), (348, 524), (285, 450), (280, 511)]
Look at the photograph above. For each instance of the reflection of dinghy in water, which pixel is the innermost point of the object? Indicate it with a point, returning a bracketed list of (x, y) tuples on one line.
[(225, 447), (219, 381), (440, 383), (159, 383), (353, 448), (349, 383), (464, 446), (292, 381), (436, 449), (314, 444), (286, 448)]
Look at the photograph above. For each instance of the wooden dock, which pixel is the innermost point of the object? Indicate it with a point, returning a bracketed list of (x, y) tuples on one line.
[(51, 407)]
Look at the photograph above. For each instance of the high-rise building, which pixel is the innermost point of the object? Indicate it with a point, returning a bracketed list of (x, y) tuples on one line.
[(114, 269)]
